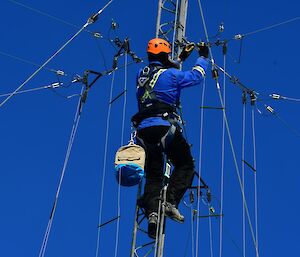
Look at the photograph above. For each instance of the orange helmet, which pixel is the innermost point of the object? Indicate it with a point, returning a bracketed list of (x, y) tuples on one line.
[(158, 45)]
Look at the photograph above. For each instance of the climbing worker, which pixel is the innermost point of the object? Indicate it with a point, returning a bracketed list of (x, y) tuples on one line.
[(159, 127)]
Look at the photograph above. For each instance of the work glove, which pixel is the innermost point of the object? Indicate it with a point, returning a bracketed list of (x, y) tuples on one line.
[(187, 50), (203, 49)]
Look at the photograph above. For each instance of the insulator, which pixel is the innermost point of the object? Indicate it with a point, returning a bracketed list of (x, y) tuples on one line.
[(224, 50), (115, 63), (192, 197), (97, 35), (85, 78), (195, 212), (77, 78), (93, 18), (126, 45), (55, 85), (252, 98), (114, 25), (221, 27), (270, 109), (215, 73), (275, 96), (84, 96), (244, 97), (60, 73), (208, 195), (238, 37)]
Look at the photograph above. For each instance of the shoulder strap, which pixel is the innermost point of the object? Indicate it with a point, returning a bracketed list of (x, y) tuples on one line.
[(144, 77), (149, 84)]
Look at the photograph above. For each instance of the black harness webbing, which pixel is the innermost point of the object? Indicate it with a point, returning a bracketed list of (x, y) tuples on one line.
[(150, 106)]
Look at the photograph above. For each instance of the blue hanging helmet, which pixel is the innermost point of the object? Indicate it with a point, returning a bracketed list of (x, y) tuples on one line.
[(129, 164)]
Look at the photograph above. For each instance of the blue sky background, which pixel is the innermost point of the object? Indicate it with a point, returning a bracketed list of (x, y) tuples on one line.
[(35, 128)]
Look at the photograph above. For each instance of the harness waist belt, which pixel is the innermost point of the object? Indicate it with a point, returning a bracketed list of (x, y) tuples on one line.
[(156, 109)]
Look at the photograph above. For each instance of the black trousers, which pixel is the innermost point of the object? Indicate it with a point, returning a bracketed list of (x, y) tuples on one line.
[(178, 152)]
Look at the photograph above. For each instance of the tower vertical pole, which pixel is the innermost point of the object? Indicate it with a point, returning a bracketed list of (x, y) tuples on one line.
[(171, 22), (135, 227)]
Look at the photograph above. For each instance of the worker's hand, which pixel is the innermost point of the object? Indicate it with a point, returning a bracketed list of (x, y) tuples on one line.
[(187, 50), (203, 49)]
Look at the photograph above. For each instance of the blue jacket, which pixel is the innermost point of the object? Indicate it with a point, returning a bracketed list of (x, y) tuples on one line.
[(169, 85)]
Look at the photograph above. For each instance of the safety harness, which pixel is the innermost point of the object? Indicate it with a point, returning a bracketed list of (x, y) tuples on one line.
[(151, 106)]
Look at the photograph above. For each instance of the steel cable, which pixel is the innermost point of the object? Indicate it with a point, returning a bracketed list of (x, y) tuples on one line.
[(210, 233), (53, 85), (200, 166), (69, 149), (90, 21), (229, 134), (271, 27), (255, 177), (243, 175), (104, 164), (222, 165), (49, 15), (27, 61), (122, 143)]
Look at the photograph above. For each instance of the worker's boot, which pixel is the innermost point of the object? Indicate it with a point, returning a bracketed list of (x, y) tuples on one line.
[(152, 224), (172, 212)]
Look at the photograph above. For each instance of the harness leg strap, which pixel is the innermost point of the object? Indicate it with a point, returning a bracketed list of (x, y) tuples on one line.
[(168, 137)]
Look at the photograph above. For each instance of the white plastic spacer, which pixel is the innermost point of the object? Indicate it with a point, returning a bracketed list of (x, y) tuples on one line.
[(275, 96), (55, 85), (60, 72), (97, 35), (238, 37), (270, 109)]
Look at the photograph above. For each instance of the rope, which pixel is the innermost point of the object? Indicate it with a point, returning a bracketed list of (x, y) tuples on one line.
[(238, 174), (243, 175), (210, 232), (122, 143), (40, 68), (192, 232), (255, 178), (90, 21), (280, 97), (101, 53), (69, 149), (271, 27), (291, 99), (287, 125), (48, 15), (125, 101), (104, 164), (200, 166), (222, 166), (229, 136), (205, 30), (27, 61), (52, 86)]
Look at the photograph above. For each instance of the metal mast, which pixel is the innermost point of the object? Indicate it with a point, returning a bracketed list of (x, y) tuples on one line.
[(171, 23), (157, 246)]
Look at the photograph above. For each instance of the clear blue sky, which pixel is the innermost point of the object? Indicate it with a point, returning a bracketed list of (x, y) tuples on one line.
[(35, 128)]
